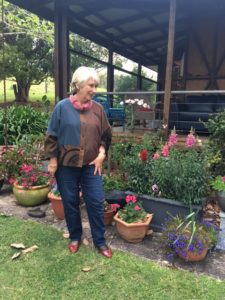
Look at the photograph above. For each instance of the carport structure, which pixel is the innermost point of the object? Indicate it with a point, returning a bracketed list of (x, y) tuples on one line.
[(183, 39)]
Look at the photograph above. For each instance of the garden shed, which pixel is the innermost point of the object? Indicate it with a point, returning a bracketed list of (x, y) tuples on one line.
[(182, 40)]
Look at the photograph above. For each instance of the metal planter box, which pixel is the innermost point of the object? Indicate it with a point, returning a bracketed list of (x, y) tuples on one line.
[(160, 208)]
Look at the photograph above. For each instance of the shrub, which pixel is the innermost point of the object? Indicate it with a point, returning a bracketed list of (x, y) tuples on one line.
[(19, 121), (216, 138)]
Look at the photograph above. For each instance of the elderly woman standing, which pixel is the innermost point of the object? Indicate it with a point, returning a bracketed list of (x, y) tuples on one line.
[(77, 140)]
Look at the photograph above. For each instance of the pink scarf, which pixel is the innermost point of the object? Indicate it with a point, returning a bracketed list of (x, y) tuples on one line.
[(81, 107)]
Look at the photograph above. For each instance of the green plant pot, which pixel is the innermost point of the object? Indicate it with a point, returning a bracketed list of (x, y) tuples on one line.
[(32, 196), (221, 200)]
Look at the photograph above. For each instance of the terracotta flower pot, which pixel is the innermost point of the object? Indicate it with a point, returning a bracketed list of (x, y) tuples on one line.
[(132, 232), (191, 256), (32, 196), (108, 217), (57, 205)]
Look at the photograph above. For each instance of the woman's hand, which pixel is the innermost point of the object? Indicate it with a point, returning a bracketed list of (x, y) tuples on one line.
[(52, 166), (98, 161)]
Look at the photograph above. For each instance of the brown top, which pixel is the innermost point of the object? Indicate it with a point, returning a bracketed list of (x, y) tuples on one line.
[(74, 137)]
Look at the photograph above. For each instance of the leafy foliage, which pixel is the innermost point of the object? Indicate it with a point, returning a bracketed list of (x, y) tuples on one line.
[(216, 128), (133, 211), (32, 175), (14, 157), (183, 175), (18, 122), (218, 184), (113, 182), (127, 157)]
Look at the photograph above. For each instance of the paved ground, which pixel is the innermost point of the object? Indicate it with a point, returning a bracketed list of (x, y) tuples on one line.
[(150, 248)]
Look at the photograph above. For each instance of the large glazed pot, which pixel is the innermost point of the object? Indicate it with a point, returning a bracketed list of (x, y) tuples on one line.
[(221, 200), (31, 196), (132, 232)]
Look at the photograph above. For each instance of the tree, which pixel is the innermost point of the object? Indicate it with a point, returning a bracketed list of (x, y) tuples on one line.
[(28, 44), (129, 82)]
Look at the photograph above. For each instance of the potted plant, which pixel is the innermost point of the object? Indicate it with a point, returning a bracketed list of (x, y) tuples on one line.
[(109, 212), (178, 179), (188, 238), (13, 157), (32, 185), (218, 185), (132, 221), (56, 202)]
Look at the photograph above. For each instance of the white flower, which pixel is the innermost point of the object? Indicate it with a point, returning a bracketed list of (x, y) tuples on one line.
[(199, 141), (140, 102)]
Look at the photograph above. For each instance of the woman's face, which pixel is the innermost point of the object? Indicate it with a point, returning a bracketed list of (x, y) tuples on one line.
[(87, 90)]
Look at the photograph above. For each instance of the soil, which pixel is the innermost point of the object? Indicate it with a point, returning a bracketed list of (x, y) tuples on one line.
[(150, 248)]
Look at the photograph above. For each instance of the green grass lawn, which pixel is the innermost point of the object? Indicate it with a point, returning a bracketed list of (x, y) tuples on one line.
[(36, 91), (51, 272)]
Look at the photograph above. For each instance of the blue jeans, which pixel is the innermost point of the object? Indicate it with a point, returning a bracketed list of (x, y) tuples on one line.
[(69, 179)]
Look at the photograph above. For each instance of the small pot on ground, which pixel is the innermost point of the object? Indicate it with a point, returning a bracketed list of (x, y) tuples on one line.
[(132, 232), (57, 205)]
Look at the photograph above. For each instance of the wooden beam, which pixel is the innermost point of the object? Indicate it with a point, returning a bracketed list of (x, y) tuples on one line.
[(139, 78), (110, 76), (169, 65), (61, 51)]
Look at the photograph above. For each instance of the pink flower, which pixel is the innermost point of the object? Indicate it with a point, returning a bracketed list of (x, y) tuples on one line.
[(155, 188), (114, 206), (165, 150), (11, 180), (26, 168), (172, 138), (144, 155), (223, 178), (137, 207), (131, 198), (156, 155), (190, 140)]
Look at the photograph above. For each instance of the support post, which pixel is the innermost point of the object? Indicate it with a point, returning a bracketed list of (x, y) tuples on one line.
[(61, 51), (110, 76), (169, 65)]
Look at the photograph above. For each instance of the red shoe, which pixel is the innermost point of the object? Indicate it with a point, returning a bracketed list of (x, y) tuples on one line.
[(74, 246), (105, 251)]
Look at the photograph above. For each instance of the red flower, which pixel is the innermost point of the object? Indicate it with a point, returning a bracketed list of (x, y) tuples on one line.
[(137, 207), (131, 198), (11, 180), (144, 155), (114, 206), (26, 168)]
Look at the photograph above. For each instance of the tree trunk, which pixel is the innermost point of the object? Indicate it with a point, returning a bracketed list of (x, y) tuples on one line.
[(21, 92)]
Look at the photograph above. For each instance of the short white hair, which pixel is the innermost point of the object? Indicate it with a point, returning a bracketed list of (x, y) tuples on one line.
[(81, 76)]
